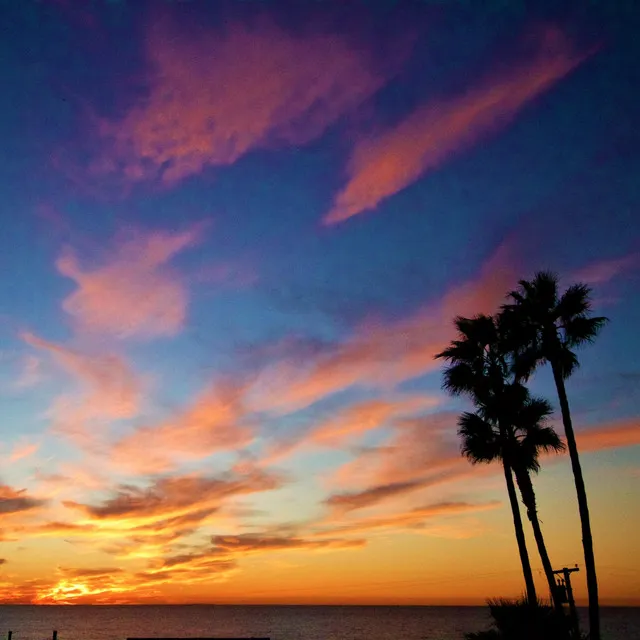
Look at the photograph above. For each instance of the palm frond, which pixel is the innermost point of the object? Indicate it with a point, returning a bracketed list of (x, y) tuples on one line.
[(460, 351), (544, 288), (516, 296), (575, 301), (537, 440), (533, 412), (544, 438), (480, 442), (459, 378), (566, 361), (525, 361), (580, 330)]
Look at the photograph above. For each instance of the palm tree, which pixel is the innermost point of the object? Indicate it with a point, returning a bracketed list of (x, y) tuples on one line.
[(477, 369), (527, 436), (545, 326)]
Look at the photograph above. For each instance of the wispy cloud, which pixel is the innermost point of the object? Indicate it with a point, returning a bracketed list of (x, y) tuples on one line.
[(427, 518), (16, 501), (256, 543), (227, 550), (348, 424), (108, 390), (148, 520), (214, 96), (172, 497), (349, 501), (378, 353), (424, 452), (215, 421), (604, 271), (613, 435), (421, 452), (385, 164), (23, 449), (132, 292)]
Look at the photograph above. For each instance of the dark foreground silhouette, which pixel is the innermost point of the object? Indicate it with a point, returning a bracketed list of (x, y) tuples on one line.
[(519, 620), (489, 363)]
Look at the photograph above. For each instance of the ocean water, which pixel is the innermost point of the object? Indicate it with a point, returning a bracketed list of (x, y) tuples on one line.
[(275, 622)]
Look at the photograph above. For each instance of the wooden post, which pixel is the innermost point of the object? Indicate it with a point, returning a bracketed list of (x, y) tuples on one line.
[(55, 635), (572, 604), (573, 612), (9, 635)]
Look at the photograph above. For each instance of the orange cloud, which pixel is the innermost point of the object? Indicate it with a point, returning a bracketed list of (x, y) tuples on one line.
[(349, 423), (381, 166), (141, 522), (216, 421), (614, 435), (213, 97), (416, 518), (348, 501), (16, 501), (225, 550), (249, 543), (171, 497), (383, 354), (109, 390), (422, 452), (133, 293), (23, 450)]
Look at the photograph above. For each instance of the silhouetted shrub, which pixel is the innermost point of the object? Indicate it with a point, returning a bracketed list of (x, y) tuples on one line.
[(520, 620)]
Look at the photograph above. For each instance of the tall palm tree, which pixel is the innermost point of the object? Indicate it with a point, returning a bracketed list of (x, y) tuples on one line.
[(527, 435), (477, 369), (545, 326)]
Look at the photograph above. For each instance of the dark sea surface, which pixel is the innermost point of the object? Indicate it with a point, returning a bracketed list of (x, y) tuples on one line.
[(276, 622)]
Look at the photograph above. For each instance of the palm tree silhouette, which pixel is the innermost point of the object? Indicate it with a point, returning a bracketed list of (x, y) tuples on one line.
[(477, 368), (544, 326), (527, 435)]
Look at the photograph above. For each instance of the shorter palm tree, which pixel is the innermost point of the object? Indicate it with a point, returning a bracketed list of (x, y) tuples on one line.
[(478, 369), (519, 446)]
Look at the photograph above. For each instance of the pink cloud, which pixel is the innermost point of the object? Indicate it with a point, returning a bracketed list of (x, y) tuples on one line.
[(380, 354), (348, 424), (22, 450), (216, 421), (133, 292), (604, 271), (421, 452), (424, 452), (381, 166), (107, 390), (214, 96)]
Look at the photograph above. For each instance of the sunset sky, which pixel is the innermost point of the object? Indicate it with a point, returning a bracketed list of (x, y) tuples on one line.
[(234, 235)]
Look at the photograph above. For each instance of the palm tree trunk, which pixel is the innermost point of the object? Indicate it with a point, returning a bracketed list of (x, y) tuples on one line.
[(522, 545), (529, 499), (583, 507)]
